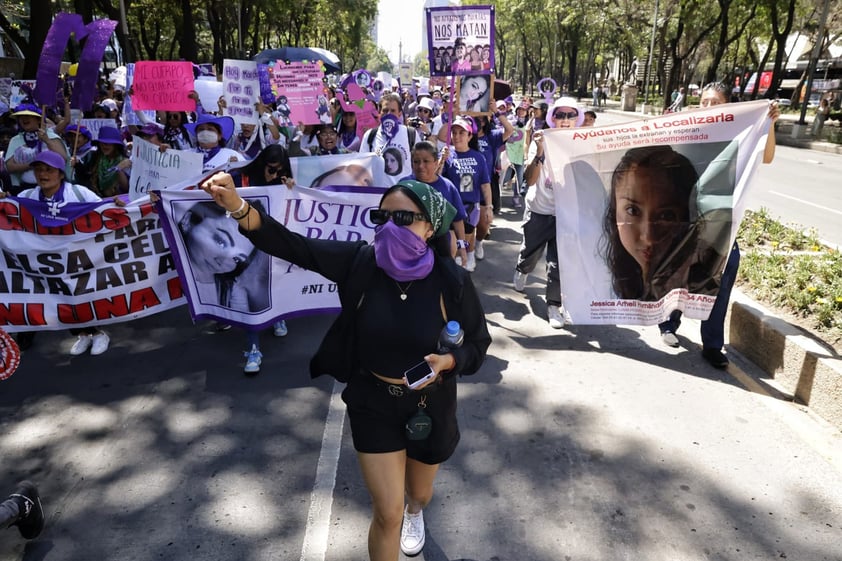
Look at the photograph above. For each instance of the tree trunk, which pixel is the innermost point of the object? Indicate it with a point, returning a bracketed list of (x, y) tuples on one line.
[(41, 18), (187, 49)]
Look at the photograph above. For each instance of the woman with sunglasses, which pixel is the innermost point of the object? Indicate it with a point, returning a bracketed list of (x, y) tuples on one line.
[(396, 296), (539, 218), (175, 133), (270, 167)]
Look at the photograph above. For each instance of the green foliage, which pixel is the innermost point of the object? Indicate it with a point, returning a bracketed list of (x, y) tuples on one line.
[(791, 269)]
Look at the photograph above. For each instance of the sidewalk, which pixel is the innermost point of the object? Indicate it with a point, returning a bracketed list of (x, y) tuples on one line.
[(798, 364)]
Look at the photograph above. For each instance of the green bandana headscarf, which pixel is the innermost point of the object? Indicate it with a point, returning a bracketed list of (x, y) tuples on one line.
[(435, 206)]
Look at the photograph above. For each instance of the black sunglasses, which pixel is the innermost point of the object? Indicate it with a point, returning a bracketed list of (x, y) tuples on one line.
[(563, 115), (400, 217)]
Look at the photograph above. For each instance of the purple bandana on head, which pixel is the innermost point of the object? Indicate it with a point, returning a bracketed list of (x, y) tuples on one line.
[(401, 253), (389, 125)]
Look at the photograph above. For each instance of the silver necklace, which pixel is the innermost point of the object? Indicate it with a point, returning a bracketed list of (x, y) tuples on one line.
[(403, 290)]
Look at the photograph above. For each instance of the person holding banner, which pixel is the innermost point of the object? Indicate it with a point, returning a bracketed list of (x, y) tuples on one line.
[(391, 132), (401, 434), (539, 227), (212, 135), (34, 138), (713, 328), (50, 173)]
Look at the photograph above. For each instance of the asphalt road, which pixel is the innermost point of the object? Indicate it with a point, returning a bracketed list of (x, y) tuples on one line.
[(588, 443)]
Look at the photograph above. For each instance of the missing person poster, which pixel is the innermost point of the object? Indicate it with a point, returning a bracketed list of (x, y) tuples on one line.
[(460, 40), (647, 211)]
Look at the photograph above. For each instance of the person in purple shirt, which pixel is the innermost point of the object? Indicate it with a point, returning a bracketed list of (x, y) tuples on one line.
[(467, 168), (425, 163)]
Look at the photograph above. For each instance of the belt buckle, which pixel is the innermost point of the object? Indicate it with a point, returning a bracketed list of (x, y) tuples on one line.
[(395, 391)]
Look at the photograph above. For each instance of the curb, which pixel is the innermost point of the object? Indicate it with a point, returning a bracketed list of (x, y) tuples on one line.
[(798, 364)]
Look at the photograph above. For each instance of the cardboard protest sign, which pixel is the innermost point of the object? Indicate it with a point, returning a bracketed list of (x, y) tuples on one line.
[(460, 40), (163, 85), (130, 117), (300, 93), (18, 92), (153, 170), (94, 125), (646, 211), (209, 91), (241, 90)]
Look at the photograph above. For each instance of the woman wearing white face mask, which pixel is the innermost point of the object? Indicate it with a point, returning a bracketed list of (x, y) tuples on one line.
[(212, 135)]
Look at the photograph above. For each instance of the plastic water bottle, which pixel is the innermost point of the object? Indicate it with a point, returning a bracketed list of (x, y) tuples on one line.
[(451, 337)]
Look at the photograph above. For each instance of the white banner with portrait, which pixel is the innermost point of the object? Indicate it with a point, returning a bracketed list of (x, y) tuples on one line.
[(646, 211), (362, 170), (106, 265), (227, 278)]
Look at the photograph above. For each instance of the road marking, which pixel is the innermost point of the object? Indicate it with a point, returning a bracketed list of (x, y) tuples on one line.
[(808, 203), (316, 533)]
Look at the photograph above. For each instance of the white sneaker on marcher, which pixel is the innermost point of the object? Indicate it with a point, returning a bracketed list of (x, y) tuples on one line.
[(412, 533), (471, 265), (100, 343), (478, 250), (253, 359), (280, 329), (520, 280), (82, 344), (555, 317)]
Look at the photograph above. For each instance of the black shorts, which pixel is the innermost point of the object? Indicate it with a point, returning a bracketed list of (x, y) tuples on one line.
[(379, 411)]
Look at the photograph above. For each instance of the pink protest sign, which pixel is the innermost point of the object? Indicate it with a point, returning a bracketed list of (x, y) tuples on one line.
[(368, 116), (299, 89), (163, 85)]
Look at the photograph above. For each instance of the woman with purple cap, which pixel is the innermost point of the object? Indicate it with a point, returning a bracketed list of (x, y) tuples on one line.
[(109, 165), (53, 187), (32, 139)]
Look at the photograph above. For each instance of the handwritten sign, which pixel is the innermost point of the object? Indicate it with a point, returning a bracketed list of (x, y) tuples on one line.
[(240, 88), (154, 170), (94, 125), (130, 117), (163, 85), (301, 87)]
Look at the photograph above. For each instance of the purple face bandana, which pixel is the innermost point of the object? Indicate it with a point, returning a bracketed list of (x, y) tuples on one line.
[(401, 253)]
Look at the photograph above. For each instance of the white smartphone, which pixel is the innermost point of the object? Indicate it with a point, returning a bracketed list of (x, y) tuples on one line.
[(418, 375)]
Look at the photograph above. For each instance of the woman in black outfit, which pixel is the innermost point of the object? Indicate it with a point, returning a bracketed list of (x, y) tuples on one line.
[(396, 296)]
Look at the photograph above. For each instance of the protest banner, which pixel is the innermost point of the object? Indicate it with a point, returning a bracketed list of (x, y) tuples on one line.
[(130, 116), (20, 91), (209, 91), (241, 90), (108, 264), (163, 85), (258, 289), (363, 170), (300, 93), (93, 125), (460, 40), (406, 74), (153, 170), (688, 172)]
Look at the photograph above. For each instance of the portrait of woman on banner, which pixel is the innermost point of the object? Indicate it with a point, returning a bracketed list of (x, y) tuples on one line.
[(655, 237), (226, 268), (474, 94)]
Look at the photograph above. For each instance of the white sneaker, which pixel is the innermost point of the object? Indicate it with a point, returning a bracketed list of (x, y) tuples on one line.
[(280, 328), (478, 250), (669, 338), (100, 343), (520, 280), (412, 533), (253, 359), (471, 265), (555, 317), (82, 344)]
